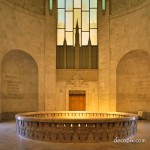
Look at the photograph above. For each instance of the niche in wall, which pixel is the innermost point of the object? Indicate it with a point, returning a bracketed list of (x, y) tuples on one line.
[(133, 82), (19, 83)]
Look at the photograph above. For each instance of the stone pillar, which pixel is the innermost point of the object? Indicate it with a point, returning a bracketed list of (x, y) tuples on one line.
[(50, 55), (103, 43)]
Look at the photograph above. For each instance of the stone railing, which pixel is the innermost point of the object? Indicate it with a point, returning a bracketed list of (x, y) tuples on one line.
[(73, 127)]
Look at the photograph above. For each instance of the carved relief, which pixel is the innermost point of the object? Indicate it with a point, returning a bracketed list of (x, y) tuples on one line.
[(77, 80), (74, 132), (124, 5), (84, 133), (13, 86), (37, 6)]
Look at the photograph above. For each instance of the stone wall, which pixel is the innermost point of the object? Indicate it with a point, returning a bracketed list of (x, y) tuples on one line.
[(133, 82), (50, 57), (103, 44), (36, 6), (23, 30), (19, 83), (29, 26), (129, 35), (119, 6), (91, 93), (77, 80)]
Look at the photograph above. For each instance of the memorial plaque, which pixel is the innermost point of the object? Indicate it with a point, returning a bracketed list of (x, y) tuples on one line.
[(13, 87), (141, 89)]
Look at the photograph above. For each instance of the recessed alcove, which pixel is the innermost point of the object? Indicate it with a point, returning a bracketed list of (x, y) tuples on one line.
[(133, 82), (19, 84)]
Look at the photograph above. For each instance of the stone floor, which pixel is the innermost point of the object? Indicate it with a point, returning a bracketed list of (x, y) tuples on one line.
[(10, 141)]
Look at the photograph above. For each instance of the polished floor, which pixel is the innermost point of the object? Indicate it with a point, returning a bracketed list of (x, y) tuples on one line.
[(10, 141)]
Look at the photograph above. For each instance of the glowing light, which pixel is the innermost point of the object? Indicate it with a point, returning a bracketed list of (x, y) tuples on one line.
[(103, 4), (50, 4), (69, 11)]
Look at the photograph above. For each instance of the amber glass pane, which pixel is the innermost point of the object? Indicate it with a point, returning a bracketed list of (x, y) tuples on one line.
[(77, 3), (61, 18), (85, 21), (69, 4), (85, 38), (93, 18), (69, 38), (69, 21), (93, 3), (77, 16), (60, 36), (93, 36), (61, 3), (85, 4)]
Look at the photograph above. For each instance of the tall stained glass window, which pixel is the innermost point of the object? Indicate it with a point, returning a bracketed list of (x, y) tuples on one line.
[(72, 11)]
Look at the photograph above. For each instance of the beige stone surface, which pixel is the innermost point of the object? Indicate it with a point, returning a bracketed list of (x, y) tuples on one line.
[(50, 58), (129, 33), (23, 30), (19, 82), (103, 41), (122, 28)]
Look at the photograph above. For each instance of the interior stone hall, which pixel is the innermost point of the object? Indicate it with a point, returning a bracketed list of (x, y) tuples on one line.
[(86, 58)]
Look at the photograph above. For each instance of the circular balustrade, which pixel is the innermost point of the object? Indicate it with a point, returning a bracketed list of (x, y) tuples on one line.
[(74, 127)]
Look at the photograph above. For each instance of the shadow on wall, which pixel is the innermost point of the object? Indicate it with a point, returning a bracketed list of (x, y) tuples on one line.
[(19, 84), (133, 82)]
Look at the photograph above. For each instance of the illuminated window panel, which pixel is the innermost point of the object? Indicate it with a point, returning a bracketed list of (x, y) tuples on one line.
[(79, 36), (60, 36), (85, 4), (50, 4), (93, 36), (93, 18), (77, 16), (85, 38), (61, 18), (69, 5), (85, 21), (69, 21), (77, 3), (69, 12), (61, 3), (69, 38), (93, 3), (103, 4)]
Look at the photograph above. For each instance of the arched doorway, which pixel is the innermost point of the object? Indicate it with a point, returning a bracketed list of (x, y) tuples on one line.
[(19, 84), (133, 82)]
